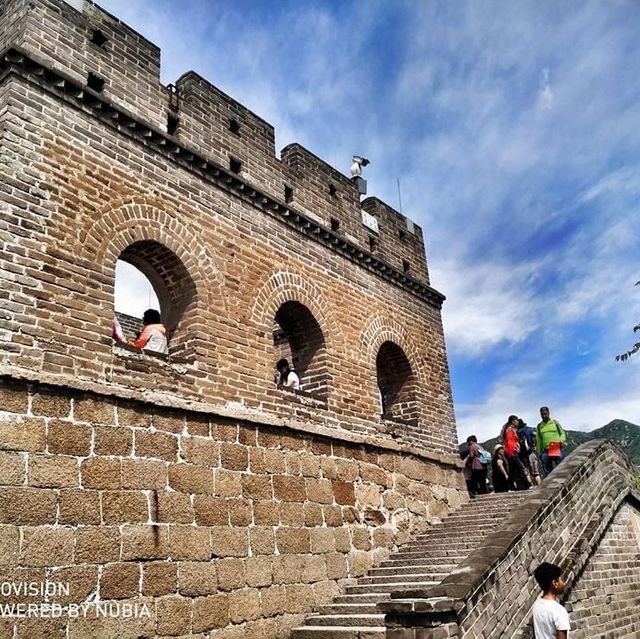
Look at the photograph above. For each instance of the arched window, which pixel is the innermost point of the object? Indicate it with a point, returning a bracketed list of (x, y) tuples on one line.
[(397, 384), (174, 291), (298, 338)]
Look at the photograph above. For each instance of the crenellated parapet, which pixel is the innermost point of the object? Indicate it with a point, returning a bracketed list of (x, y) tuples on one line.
[(113, 63)]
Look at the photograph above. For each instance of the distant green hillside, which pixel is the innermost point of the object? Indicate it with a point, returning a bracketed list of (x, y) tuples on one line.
[(624, 433)]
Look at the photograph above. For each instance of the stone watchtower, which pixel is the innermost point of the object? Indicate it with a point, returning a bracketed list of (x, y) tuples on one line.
[(190, 481)]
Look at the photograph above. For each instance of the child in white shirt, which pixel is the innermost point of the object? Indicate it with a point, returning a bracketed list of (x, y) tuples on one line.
[(550, 619)]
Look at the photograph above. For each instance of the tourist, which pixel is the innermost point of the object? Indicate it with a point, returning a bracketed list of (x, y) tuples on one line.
[(478, 469), (286, 376), (550, 441), (116, 330), (550, 618), (518, 477), (466, 471), (153, 334), (500, 470), (527, 452)]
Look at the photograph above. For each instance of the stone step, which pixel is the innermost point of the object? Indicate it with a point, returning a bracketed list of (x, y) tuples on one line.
[(445, 562), (388, 587), (411, 569), (404, 578), (362, 598), (375, 620), (350, 608), (339, 632)]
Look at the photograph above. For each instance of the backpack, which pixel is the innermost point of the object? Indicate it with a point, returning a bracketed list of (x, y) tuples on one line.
[(484, 456)]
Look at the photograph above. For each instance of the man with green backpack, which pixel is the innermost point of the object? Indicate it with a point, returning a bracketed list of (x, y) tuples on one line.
[(550, 441)]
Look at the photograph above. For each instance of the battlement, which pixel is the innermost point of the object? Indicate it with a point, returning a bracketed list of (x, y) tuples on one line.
[(95, 50), (252, 257)]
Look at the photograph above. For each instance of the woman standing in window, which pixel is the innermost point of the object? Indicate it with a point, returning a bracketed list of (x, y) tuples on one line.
[(153, 334)]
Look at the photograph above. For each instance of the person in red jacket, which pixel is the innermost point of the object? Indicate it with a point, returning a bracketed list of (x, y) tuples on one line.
[(518, 477)]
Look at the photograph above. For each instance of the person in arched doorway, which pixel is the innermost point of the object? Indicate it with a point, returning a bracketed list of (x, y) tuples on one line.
[(153, 334), (286, 376), (500, 470)]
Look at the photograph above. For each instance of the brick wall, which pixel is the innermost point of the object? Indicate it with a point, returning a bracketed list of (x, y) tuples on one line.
[(215, 524), (84, 187), (490, 594)]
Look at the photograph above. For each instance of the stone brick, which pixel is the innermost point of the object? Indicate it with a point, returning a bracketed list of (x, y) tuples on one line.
[(101, 473), (210, 613), (156, 444), (176, 508), (65, 438), (259, 571), (144, 541), (274, 461), (231, 574), (293, 540), (272, 600), (51, 404), (27, 506), (53, 471), (344, 493), (210, 511), (247, 435), (82, 582), (228, 483), (319, 491), (159, 578), (347, 471), (336, 566), (291, 514), (189, 543), (312, 515), (12, 468), (124, 507), (343, 539), (229, 542), (266, 512), (119, 581), (79, 507), (46, 546), (244, 605), (197, 578), (322, 540), (22, 434), (234, 456), (289, 488), (9, 546), (97, 544), (240, 512), (144, 474), (14, 398), (169, 421), (332, 515), (201, 450), (361, 538), (109, 440), (93, 410), (198, 425), (256, 487), (299, 598), (315, 569), (173, 615), (224, 432), (310, 466), (134, 415), (257, 463), (262, 540), (189, 478)]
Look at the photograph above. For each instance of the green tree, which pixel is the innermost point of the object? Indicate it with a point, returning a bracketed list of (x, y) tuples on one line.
[(635, 348)]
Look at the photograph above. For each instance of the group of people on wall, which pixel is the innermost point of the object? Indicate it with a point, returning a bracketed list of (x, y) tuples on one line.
[(152, 337), (520, 458)]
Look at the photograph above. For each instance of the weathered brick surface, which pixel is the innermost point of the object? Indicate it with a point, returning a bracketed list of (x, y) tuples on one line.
[(191, 482)]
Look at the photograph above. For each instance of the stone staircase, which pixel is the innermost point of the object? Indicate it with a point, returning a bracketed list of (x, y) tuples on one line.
[(424, 561)]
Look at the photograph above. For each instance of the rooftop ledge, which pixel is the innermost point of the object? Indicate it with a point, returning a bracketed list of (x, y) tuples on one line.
[(27, 66), (235, 411)]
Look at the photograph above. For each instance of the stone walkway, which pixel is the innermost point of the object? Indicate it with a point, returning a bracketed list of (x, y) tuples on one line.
[(425, 561)]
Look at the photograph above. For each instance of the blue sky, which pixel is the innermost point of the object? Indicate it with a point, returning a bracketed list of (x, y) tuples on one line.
[(514, 128)]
